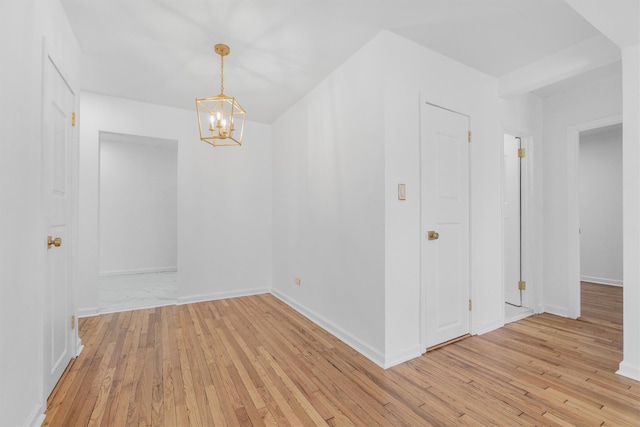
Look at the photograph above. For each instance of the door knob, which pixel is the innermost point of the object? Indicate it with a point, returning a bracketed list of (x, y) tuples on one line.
[(432, 235), (53, 242)]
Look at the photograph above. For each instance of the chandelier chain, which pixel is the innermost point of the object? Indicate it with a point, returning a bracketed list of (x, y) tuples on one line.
[(221, 74)]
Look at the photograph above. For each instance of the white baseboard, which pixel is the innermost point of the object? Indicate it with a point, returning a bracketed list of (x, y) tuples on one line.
[(538, 309), (601, 281), (362, 348), (79, 346), (36, 418), (488, 327), (87, 312), (138, 271), (93, 311), (401, 357), (628, 370), (519, 316), (221, 295), (558, 311)]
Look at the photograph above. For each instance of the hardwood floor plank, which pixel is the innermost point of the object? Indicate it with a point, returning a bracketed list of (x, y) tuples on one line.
[(294, 391), (63, 395), (98, 411), (118, 363), (139, 381), (549, 416), (253, 415), (253, 361), (122, 390), (80, 407), (601, 304), (197, 401), (167, 382), (241, 364), (283, 412)]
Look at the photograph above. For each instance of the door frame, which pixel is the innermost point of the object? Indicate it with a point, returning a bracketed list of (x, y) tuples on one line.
[(526, 194), (573, 206), (72, 162), (423, 305)]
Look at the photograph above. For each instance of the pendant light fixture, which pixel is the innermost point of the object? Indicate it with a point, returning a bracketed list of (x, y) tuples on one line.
[(220, 117)]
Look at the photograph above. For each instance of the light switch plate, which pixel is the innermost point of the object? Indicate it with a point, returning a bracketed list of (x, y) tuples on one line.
[(402, 192)]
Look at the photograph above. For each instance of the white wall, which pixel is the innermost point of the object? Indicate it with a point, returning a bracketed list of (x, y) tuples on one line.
[(601, 205), (224, 200), (338, 157), (328, 204), (138, 204), (562, 112), (23, 24)]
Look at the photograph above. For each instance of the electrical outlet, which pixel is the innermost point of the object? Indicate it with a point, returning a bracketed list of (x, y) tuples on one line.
[(298, 281)]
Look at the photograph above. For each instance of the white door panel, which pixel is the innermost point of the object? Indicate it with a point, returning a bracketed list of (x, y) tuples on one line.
[(445, 210), (58, 339)]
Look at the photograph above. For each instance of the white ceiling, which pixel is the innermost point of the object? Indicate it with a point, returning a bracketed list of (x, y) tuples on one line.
[(161, 51)]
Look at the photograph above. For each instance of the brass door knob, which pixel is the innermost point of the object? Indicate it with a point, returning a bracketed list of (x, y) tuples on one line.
[(432, 235), (53, 242)]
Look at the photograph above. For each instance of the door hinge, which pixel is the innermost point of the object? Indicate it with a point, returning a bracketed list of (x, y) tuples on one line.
[(522, 285), (470, 305), (73, 119), (469, 136), (521, 152), (73, 322)]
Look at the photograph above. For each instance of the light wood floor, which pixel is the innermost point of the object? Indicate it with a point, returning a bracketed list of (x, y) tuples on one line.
[(601, 304), (255, 361)]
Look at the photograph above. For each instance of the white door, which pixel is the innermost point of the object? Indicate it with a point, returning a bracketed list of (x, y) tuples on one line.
[(58, 101), (445, 216), (511, 213)]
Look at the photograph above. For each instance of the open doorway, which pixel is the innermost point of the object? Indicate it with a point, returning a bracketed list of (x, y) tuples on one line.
[(515, 298), (601, 250), (137, 222)]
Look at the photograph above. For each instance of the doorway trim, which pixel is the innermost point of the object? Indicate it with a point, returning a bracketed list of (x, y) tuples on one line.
[(573, 203), (527, 217), (423, 311), (523, 206)]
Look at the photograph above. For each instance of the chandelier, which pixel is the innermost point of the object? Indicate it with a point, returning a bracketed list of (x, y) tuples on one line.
[(220, 117)]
